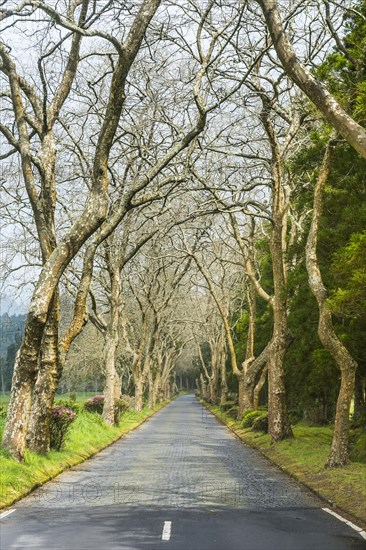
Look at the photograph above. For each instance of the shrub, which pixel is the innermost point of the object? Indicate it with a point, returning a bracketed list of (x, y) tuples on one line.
[(2, 412), (72, 397), (129, 400), (69, 405), (359, 421), (227, 405), (233, 411), (249, 417), (62, 418), (295, 416), (358, 452), (260, 424), (94, 404), (121, 406)]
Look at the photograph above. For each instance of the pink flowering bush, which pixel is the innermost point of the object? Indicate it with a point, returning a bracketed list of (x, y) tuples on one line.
[(94, 404), (62, 418)]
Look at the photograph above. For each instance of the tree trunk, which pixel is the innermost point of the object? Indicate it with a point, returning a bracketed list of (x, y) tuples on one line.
[(203, 390), (24, 377), (38, 436), (110, 347), (278, 422), (110, 383), (339, 451), (223, 384), (151, 389), (139, 394), (258, 388)]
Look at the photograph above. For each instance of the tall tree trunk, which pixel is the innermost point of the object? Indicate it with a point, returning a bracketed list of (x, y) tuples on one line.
[(203, 390), (110, 347), (38, 436), (246, 400), (139, 394), (278, 422), (151, 389), (346, 364), (223, 383)]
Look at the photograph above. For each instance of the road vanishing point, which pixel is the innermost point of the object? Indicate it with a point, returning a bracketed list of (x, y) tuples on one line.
[(181, 481)]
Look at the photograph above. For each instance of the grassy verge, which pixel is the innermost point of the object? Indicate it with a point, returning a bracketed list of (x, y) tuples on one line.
[(80, 396), (303, 457), (88, 435)]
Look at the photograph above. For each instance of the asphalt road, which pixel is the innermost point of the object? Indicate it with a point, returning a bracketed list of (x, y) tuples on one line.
[(181, 481)]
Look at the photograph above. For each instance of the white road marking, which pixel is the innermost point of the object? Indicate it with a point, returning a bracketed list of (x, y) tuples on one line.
[(4, 514), (359, 530), (166, 530)]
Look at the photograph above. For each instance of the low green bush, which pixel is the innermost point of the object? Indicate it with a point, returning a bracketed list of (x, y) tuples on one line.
[(227, 405), (72, 397), (233, 411), (358, 452), (260, 424), (129, 400), (249, 417)]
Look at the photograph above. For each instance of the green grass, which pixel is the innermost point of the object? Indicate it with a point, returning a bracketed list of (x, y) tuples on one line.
[(4, 398), (304, 457), (88, 435), (80, 396)]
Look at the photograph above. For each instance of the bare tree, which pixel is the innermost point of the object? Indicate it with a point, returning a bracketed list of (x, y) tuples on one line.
[(343, 123), (328, 337), (95, 210)]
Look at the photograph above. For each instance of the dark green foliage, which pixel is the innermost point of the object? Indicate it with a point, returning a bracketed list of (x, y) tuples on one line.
[(249, 417), (228, 405), (233, 411), (349, 265), (260, 423), (295, 416), (358, 446)]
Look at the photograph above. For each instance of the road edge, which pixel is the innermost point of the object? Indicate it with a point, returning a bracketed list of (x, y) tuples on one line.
[(334, 506)]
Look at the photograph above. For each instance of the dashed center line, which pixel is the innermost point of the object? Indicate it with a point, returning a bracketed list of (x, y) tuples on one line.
[(166, 530), (4, 514)]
